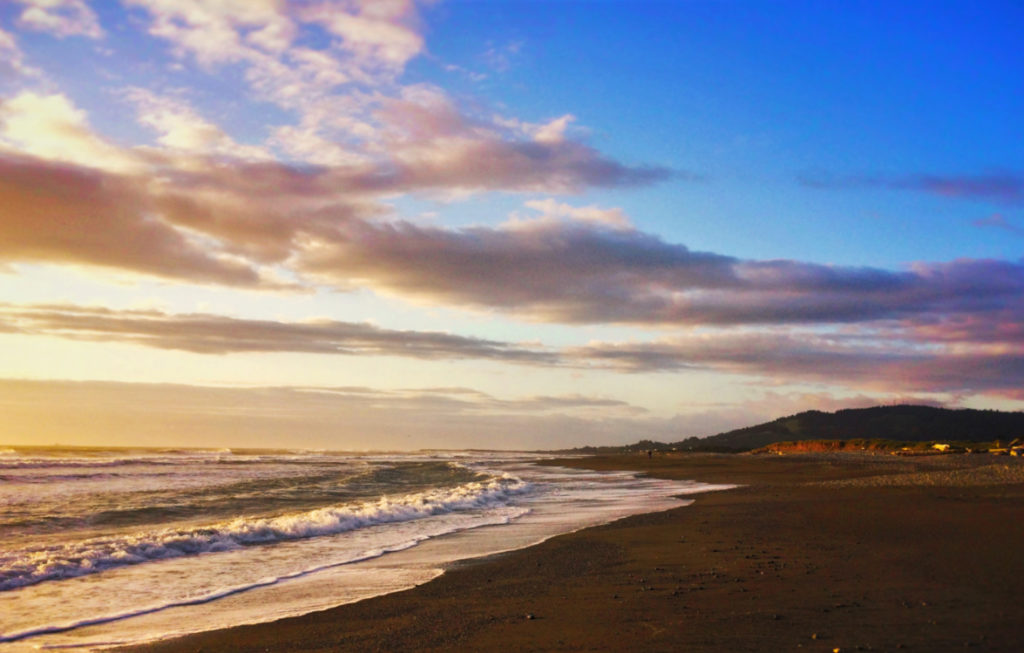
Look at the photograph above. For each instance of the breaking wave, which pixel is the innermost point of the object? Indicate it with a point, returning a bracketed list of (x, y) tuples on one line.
[(36, 565)]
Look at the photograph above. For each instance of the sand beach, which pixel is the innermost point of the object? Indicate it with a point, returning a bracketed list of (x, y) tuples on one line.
[(817, 552)]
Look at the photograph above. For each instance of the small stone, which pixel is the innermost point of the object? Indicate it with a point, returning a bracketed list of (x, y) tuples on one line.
[(530, 615)]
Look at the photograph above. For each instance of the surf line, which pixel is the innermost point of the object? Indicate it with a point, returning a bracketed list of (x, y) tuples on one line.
[(367, 555), (51, 630)]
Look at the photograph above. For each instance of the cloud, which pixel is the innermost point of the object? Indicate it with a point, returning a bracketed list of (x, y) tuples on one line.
[(64, 214), (351, 108), (381, 32), (219, 209), (60, 17), (191, 215), (214, 209), (1005, 188), (212, 31), (432, 145), (803, 355), (998, 221), (182, 129), (51, 127), (592, 271), (502, 165), (894, 358), (12, 59), (567, 271), (374, 41), (554, 131), (501, 57), (551, 209), (357, 418), (867, 362), (215, 334), (998, 329)]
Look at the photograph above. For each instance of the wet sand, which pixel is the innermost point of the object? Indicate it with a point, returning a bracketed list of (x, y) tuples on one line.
[(815, 552)]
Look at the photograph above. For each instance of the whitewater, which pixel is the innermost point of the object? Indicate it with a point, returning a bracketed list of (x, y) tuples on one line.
[(102, 547)]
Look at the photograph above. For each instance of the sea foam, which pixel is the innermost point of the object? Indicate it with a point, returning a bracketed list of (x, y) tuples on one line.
[(35, 565)]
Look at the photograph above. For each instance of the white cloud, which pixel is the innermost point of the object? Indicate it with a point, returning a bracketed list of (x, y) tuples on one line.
[(552, 209), (554, 131), (60, 18), (211, 30), (184, 130), (51, 127), (377, 33), (12, 59)]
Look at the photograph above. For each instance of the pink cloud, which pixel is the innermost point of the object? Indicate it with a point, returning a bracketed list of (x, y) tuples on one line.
[(67, 215), (216, 334), (1007, 188)]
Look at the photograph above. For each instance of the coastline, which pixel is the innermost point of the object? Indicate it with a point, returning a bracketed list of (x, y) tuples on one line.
[(814, 551)]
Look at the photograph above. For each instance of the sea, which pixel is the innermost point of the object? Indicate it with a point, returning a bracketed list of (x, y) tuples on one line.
[(105, 547)]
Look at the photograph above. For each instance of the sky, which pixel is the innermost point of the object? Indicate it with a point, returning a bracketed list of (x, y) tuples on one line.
[(391, 225)]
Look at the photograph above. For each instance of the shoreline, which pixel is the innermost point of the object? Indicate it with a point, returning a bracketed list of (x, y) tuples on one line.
[(813, 551)]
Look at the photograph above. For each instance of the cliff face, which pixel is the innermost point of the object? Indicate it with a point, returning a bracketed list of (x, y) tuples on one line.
[(808, 446)]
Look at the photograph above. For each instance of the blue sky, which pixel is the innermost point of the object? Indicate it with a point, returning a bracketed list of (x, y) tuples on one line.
[(753, 96), (585, 221)]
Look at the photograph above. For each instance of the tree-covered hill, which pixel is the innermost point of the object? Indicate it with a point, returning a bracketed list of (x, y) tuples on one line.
[(904, 423)]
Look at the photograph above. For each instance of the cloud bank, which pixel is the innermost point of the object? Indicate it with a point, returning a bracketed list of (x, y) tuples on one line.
[(312, 204), (337, 418), (893, 357), (216, 334)]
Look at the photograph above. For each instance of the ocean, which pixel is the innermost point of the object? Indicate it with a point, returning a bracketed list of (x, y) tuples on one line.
[(101, 547)]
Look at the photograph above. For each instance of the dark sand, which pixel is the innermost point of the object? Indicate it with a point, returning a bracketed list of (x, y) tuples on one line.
[(816, 552)]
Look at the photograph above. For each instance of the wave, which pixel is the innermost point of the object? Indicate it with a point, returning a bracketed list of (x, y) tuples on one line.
[(199, 600), (162, 460), (45, 463), (224, 592), (18, 460), (36, 565), (57, 478)]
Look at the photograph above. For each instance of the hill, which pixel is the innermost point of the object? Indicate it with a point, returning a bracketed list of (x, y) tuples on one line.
[(905, 423)]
